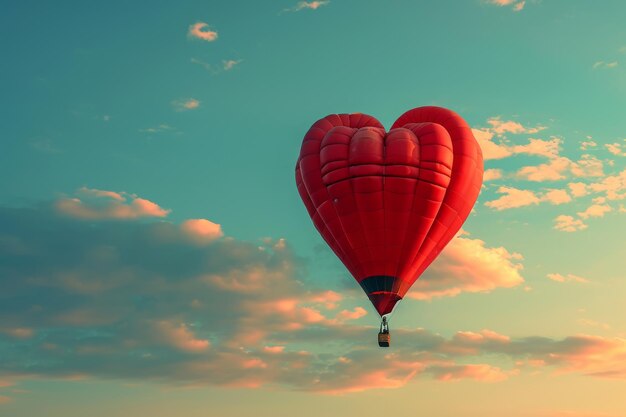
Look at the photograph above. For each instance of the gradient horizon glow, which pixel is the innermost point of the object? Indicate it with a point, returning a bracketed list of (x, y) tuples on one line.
[(156, 259)]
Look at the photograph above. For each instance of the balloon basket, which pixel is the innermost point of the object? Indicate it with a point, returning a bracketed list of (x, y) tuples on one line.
[(383, 335), (384, 339)]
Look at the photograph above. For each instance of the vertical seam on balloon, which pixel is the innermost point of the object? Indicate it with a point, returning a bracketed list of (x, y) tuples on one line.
[(406, 233), (356, 203), (343, 228), (434, 221)]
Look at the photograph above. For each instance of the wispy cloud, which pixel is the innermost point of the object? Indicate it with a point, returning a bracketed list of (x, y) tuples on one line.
[(46, 146), (214, 69), (157, 129), (229, 64), (307, 5), (202, 31), (567, 278), (605, 65), (516, 5), (186, 104)]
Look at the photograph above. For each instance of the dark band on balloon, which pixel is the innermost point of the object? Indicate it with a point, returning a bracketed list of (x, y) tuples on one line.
[(378, 283)]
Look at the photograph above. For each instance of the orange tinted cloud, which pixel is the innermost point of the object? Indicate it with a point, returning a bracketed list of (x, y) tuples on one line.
[(468, 265), (202, 31), (96, 204)]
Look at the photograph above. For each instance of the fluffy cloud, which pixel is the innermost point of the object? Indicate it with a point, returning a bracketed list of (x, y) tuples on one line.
[(615, 149), (588, 144), (500, 127), (513, 198), (497, 148), (140, 301), (492, 174), (202, 31), (468, 265), (201, 230), (613, 186), (558, 166), (566, 223), (96, 204), (595, 210)]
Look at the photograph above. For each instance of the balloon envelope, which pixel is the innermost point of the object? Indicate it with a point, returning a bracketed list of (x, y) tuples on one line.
[(387, 203)]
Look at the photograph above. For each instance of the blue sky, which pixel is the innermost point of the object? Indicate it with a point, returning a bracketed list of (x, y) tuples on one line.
[(154, 249)]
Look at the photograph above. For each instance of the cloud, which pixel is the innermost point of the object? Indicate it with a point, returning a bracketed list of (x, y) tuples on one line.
[(186, 104), (556, 197), (493, 149), (613, 186), (215, 69), (492, 174), (595, 210), (605, 65), (308, 5), (513, 198), (202, 31), (587, 145), (516, 5), (615, 149), (201, 230), (45, 146), (93, 204), (500, 127), (567, 278), (138, 300), (468, 265), (229, 64), (490, 148), (519, 6), (158, 129), (578, 189), (559, 167), (568, 224), (179, 336)]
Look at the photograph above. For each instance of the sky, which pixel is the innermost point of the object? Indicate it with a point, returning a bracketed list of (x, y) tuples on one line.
[(156, 258)]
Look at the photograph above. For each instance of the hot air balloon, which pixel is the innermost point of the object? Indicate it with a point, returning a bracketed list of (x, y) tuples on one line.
[(387, 203)]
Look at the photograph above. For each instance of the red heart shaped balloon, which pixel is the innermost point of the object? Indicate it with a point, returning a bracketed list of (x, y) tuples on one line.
[(387, 203)]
